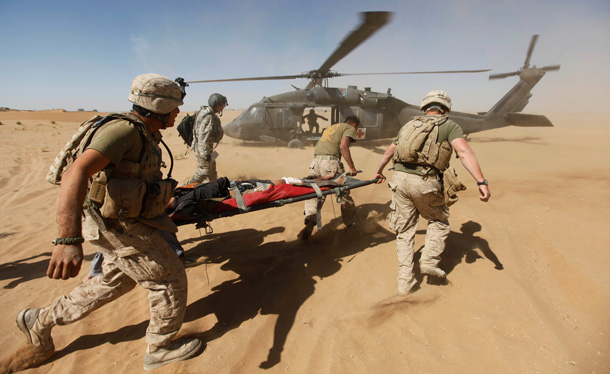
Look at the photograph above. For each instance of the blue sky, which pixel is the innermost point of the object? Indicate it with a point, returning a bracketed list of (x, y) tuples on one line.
[(80, 54)]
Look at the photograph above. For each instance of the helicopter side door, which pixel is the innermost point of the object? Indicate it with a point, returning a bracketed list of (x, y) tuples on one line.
[(281, 122)]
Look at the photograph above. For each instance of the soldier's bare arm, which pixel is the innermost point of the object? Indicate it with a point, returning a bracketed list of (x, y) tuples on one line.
[(385, 159), (347, 155), (66, 260), (470, 162)]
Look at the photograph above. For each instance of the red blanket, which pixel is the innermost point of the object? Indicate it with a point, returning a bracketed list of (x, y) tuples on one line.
[(282, 191)]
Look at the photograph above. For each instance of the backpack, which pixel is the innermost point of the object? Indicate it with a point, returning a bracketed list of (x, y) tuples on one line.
[(74, 146), (185, 128), (417, 144)]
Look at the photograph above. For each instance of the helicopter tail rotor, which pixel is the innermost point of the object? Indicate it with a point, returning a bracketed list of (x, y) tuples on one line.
[(550, 68), (526, 63)]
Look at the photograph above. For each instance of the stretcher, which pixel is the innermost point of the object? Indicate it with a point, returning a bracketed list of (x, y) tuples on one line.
[(272, 197)]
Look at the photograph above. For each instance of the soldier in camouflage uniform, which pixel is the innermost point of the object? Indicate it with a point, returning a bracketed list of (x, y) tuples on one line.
[(333, 145), (122, 159), (417, 188), (207, 134)]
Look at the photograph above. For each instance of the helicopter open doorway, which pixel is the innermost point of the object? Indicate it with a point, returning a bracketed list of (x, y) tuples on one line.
[(316, 118)]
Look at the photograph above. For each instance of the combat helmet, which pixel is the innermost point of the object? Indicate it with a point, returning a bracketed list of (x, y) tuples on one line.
[(155, 93), (436, 97), (216, 99)]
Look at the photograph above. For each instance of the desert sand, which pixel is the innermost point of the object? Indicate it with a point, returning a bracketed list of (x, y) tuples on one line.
[(528, 286)]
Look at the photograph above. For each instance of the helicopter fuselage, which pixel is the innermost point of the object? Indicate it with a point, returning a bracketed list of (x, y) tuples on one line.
[(279, 117)]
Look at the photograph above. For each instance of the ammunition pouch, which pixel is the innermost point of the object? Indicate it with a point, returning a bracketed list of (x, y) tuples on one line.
[(132, 198), (157, 196), (451, 186), (123, 198), (442, 158)]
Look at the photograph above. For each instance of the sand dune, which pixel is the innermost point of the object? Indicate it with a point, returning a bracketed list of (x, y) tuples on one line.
[(528, 288)]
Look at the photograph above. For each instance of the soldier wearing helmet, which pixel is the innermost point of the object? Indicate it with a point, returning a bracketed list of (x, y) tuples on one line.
[(116, 183), (333, 146), (421, 153), (207, 133)]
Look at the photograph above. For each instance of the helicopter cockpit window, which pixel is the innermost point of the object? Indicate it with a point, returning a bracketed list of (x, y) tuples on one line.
[(254, 114)]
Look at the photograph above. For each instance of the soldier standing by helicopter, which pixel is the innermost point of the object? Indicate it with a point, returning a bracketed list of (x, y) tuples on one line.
[(312, 121), (207, 133), (333, 144), (421, 153)]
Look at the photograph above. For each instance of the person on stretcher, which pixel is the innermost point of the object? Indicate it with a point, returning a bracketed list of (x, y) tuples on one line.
[(205, 196)]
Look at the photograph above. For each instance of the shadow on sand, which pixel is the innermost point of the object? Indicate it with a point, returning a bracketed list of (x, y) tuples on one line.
[(22, 271), (460, 246), (274, 278), (277, 277)]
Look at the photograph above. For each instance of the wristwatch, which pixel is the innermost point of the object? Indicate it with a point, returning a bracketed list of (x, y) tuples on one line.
[(483, 183)]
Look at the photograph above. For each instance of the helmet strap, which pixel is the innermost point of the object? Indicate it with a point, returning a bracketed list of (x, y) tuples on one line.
[(163, 118)]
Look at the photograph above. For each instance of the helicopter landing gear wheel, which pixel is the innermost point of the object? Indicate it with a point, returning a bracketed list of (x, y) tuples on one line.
[(295, 143)]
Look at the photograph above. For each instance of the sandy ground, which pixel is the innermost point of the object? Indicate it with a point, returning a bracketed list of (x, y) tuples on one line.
[(528, 288)]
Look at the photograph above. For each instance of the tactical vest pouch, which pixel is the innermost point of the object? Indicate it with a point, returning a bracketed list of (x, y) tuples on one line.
[(443, 157), (451, 185), (157, 196), (97, 191), (123, 198)]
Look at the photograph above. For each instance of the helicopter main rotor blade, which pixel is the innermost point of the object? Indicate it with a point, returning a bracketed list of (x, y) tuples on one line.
[(371, 22), (504, 75), (423, 72), (526, 64), (277, 77)]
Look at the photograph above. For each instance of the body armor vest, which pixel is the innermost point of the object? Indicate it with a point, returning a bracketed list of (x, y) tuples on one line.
[(129, 189)]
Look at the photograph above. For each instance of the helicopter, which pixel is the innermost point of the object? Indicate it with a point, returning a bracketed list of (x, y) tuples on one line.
[(279, 118)]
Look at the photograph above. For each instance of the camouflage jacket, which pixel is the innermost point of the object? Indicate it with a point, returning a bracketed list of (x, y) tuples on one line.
[(207, 132)]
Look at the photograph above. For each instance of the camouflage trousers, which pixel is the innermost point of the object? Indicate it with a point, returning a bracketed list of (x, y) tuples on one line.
[(206, 171), (134, 253), (320, 167), (412, 196)]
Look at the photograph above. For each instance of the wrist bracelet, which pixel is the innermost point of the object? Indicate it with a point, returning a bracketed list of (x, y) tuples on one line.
[(70, 240)]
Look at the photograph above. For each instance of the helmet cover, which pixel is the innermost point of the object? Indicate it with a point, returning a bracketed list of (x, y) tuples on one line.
[(438, 97), (156, 93)]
